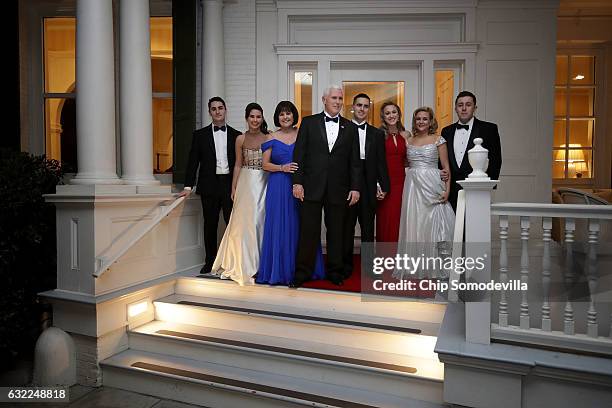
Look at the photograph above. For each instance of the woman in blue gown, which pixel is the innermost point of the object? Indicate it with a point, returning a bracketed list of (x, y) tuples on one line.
[(281, 226)]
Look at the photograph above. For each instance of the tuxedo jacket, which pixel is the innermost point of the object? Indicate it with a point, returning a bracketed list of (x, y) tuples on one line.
[(203, 153), (323, 173), (489, 134), (375, 170)]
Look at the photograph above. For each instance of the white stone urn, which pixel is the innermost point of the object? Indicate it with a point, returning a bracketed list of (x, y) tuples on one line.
[(478, 157)]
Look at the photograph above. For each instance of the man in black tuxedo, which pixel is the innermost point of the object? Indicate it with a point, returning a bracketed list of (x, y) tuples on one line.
[(329, 178), (374, 186), (214, 149), (460, 138)]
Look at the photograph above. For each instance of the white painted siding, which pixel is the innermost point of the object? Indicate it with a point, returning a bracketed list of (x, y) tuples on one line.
[(240, 70)]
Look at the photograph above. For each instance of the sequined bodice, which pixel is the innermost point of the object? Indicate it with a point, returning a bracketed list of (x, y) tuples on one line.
[(252, 158), (425, 156)]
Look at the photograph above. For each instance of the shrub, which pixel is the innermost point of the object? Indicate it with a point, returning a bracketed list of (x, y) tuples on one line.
[(27, 248)]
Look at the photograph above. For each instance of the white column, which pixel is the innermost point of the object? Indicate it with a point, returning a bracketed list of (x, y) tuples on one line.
[(95, 93), (213, 54), (136, 93)]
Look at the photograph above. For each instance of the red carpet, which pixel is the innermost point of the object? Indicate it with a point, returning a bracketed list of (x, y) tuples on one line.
[(354, 284)]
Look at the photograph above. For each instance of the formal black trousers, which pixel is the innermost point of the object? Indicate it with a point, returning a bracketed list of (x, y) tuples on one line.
[(365, 213), (212, 204), (310, 237)]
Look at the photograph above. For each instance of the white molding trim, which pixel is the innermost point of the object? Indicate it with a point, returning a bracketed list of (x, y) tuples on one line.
[(363, 49), (382, 5), (602, 212), (557, 339)]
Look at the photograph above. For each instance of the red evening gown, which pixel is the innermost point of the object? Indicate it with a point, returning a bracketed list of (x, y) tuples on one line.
[(389, 210)]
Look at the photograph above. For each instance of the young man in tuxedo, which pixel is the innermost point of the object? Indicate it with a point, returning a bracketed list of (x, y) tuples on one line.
[(374, 186), (329, 178), (460, 138), (213, 149)]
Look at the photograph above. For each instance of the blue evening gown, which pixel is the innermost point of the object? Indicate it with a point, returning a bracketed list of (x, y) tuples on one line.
[(282, 223)]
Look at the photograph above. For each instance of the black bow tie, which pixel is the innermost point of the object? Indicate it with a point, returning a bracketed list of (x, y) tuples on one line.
[(362, 126), (328, 119), (460, 126), (219, 128)]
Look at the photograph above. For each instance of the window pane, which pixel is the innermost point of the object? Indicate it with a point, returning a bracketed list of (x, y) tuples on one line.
[(161, 54), (303, 93), (59, 54), (559, 136), (581, 102), (583, 70), (581, 133), (558, 164), (60, 131), (162, 135), (560, 102), (379, 92), (445, 88), (161, 75), (580, 165), (561, 77)]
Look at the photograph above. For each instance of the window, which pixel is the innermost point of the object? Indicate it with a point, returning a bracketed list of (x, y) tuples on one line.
[(161, 67), (303, 79), (59, 85), (574, 127)]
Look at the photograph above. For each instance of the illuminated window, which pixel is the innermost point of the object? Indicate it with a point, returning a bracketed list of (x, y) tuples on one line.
[(303, 83), (574, 127), (161, 66), (59, 85)]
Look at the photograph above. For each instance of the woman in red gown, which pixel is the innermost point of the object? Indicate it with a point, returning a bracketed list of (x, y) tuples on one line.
[(389, 208)]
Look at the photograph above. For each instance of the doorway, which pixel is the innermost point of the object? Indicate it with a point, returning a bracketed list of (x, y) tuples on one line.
[(396, 82)]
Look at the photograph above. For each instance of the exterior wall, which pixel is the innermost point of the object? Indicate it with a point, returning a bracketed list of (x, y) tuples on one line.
[(507, 49), (240, 71), (515, 75), (91, 350), (94, 229)]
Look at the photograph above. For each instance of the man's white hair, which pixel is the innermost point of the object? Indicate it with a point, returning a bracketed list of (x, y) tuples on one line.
[(327, 90)]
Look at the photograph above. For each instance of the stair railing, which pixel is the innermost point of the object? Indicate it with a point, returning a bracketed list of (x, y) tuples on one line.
[(104, 262)]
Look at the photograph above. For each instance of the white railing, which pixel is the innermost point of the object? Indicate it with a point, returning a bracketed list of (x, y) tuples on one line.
[(106, 260), (550, 314), (453, 296)]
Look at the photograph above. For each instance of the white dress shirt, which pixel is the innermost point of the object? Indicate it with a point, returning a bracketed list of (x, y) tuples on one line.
[(220, 138), (460, 141), (362, 139), (332, 128)]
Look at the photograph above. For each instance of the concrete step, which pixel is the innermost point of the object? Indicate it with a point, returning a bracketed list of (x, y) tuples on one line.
[(340, 329), (219, 385), (425, 315), (401, 375)]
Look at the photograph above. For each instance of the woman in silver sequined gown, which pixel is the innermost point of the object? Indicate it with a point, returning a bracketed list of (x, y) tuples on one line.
[(238, 255), (427, 218)]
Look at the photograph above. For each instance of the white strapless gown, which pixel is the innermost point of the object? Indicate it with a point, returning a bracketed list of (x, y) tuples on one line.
[(238, 255)]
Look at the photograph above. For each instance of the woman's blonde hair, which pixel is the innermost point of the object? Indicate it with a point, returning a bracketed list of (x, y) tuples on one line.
[(383, 126), (433, 123)]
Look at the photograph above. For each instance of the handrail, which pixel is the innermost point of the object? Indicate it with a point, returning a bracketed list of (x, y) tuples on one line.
[(457, 243), (103, 263), (603, 212)]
